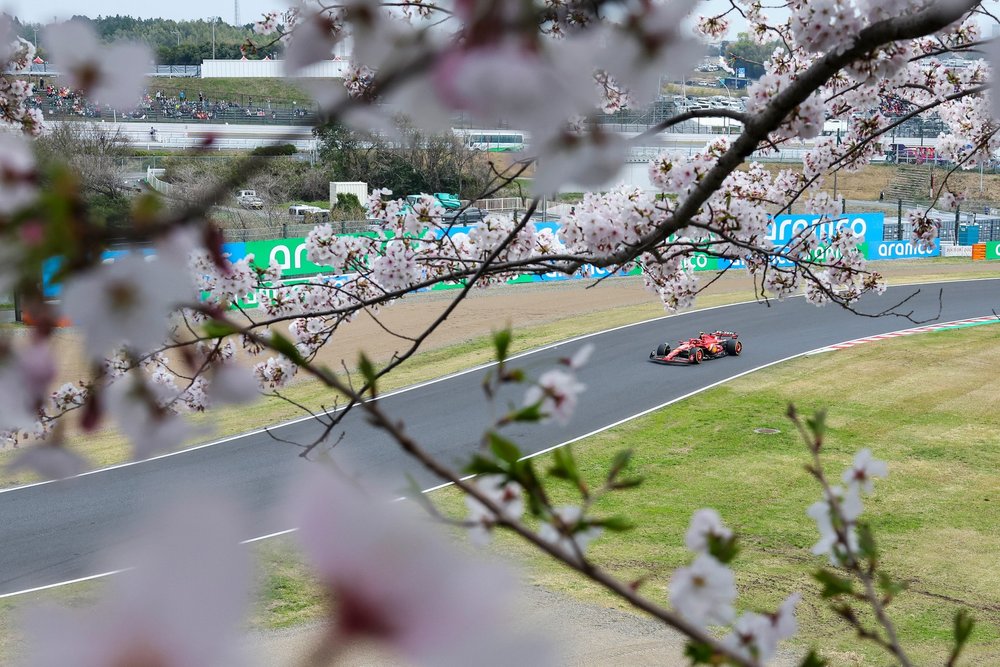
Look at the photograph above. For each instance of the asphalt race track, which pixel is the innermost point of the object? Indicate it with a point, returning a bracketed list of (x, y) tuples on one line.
[(61, 531)]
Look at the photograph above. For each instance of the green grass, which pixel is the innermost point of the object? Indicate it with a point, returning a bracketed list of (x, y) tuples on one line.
[(933, 418), (278, 90), (262, 89), (107, 447)]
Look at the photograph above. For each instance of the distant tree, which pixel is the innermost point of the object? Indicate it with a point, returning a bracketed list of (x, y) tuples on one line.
[(415, 163), (747, 53), (96, 155), (173, 42)]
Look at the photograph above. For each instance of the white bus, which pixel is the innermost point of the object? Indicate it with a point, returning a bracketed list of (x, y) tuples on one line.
[(494, 141)]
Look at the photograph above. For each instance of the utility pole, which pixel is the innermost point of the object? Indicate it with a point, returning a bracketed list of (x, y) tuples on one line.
[(214, 19), (836, 171), (178, 33)]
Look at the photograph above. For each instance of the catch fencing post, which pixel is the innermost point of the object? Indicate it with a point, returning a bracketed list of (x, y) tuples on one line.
[(899, 219)]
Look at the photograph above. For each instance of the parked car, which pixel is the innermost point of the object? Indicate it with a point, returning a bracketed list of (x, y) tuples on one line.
[(249, 199), (469, 216), (304, 213)]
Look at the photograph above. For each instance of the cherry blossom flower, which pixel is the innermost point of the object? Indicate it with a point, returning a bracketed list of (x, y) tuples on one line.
[(568, 532), (581, 357), (557, 390), (703, 592), (69, 395), (18, 182), (49, 460), (312, 41), (267, 24), (25, 374), (755, 636), (395, 580), (850, 508), (590, 160), (506, 494), (705, 523), (157, 612), (137, 407), (126, 301), (111, 75), (864, 469), (232, 384)]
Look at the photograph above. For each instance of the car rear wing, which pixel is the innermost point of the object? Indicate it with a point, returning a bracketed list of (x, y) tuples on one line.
[(727, 334)]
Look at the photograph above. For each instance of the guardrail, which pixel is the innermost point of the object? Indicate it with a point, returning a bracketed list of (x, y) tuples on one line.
[(153, 180), (500, 204)]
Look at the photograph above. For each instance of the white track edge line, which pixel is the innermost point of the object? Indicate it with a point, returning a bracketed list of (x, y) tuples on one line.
[(420, 385), (449, 376), (395, 392), (288, 531), (61, 583)]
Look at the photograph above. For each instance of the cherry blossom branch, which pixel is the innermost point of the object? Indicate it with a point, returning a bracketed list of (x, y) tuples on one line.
[(851, 561), (592, 572)]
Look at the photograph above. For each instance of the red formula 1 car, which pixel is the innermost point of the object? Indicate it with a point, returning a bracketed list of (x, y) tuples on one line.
[(693, 351)]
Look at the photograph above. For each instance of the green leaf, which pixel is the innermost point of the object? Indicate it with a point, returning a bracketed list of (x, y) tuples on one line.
[(629, 483), (817, 423), (219, 328), (866, 542), (502, 448), (513, 375), (286, 347), (367, 369), (564, 466), (480, 465), (889, 587), (523, 472), (529, 413), (501, 343), (724, 549), (619, 463), (699, 653), (833, 584), (963, 628), (614, 523), (813, 660)]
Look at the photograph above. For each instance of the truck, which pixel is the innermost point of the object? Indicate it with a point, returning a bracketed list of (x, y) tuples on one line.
[(249, 199)]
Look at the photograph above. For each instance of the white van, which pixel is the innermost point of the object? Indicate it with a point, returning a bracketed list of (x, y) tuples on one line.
[(304, 213)]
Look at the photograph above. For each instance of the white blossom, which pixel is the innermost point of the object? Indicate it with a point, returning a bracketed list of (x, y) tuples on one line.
[(18, 183), (507, 494), (703, 592), (822, 512), (566, 532), (864, 469), (705, 523), (755, 636), (111, 75), (139, 412), (157, 612), (395, 580), (558, 392), (126, 301)]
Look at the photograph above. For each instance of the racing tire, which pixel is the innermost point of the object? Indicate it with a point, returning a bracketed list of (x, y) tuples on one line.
[(733, 347), (696, 355), (662, 350)]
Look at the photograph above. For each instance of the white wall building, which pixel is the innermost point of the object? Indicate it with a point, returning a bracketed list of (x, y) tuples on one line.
[(273, 69)]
